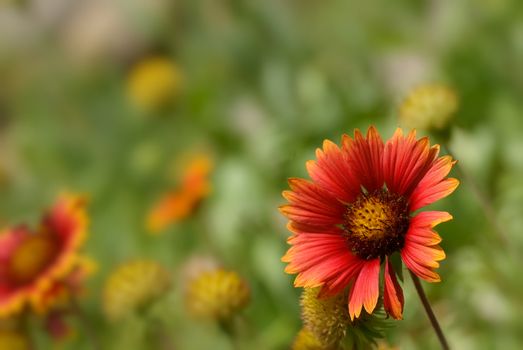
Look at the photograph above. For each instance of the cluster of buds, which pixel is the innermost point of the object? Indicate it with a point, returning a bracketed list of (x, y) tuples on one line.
[(327, 324)]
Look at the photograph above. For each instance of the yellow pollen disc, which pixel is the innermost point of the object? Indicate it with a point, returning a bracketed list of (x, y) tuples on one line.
[(31, 258), (376, 224), (372, 219)]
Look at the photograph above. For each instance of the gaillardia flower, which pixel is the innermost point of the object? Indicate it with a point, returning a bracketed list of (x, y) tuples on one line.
[(359, 209), (33, 262), (61, 293)]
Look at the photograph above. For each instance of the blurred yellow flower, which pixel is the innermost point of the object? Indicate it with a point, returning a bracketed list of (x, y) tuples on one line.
[(13, 340), (306, 340), (181, 202), (153, 83), (326, 317), (35, 262), (133, 286), (218, 294), (429, 107)]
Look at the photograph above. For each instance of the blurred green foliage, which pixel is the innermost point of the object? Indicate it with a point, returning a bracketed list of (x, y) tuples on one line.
[(264, 83)]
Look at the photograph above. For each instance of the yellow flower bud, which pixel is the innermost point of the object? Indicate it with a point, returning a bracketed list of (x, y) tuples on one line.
[(134, 286), (306, 340), (429, 107), (327, 318), (217, 294), (153, 83)]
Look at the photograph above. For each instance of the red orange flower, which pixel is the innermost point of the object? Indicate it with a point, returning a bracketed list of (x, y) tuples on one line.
[(32, 264), (61, 292), (359, 209), (182, 201)]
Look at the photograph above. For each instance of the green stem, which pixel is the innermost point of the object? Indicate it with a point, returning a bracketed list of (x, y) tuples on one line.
[(85, 324), (229, 327), (159, 335), (430, 313), (156, 329)]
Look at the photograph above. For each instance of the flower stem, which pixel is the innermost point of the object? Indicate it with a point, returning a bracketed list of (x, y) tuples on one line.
[(86, 324), (430, 313), (158, 334)]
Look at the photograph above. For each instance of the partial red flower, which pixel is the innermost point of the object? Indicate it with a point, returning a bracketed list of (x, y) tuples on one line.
[(181, 202), (359, 209), (60, 294), (34, 264), (58, 303)]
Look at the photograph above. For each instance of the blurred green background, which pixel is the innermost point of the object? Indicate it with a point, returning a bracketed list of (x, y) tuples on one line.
[(263, 84)]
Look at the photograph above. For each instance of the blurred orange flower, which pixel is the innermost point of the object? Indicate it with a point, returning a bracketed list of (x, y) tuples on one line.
[(181, 202), (36, 265)]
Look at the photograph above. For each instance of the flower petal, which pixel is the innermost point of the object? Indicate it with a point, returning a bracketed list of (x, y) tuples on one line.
[(424, 236), (406, 160), (311, 205), (393, 294), (12, 299), (429, 219), (321, 259), (332, 172), (365, 291), (427, 195), (9, 241), (434, 186), (421, 252), (421, 271), (365, 156), (428, 256), (439, 169)]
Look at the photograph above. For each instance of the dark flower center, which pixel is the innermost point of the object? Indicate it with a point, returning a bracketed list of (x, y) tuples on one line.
[(376, 223)]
